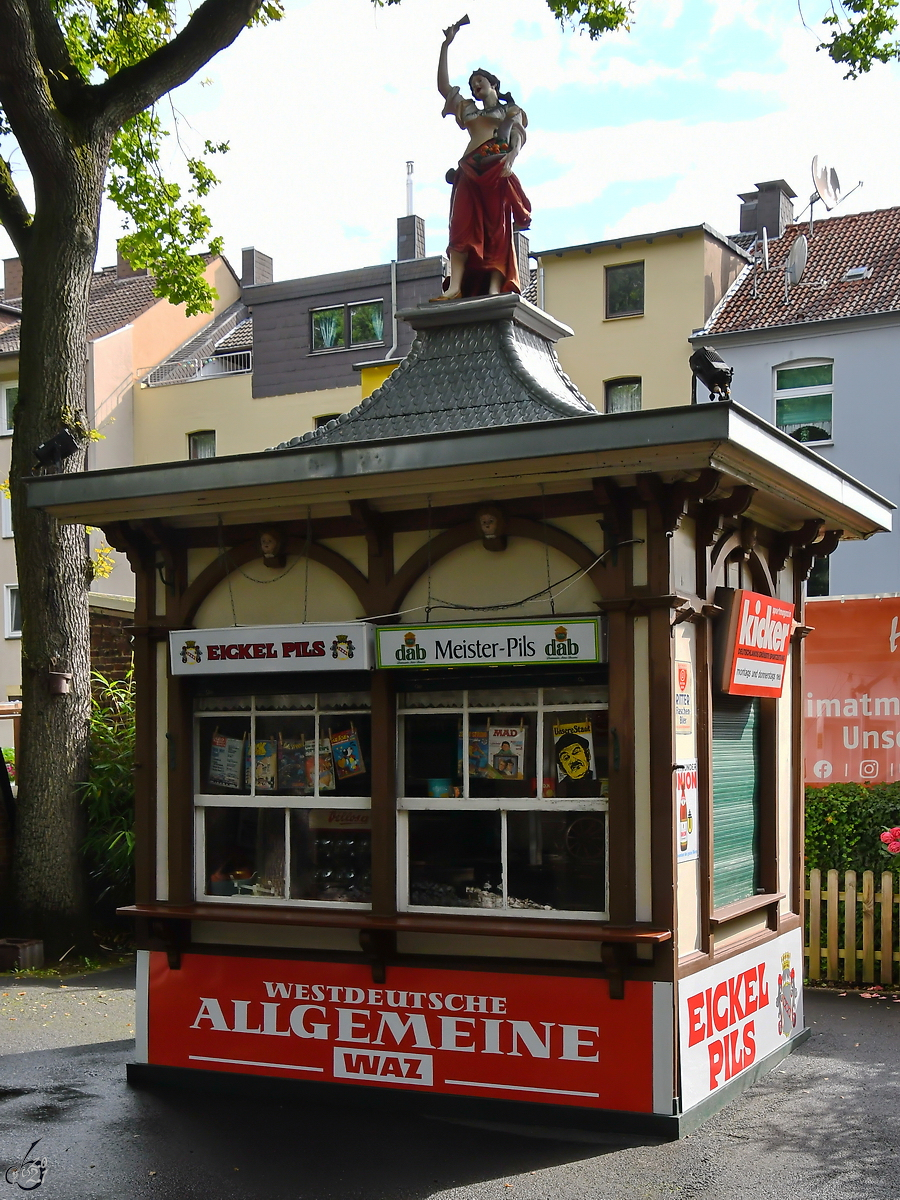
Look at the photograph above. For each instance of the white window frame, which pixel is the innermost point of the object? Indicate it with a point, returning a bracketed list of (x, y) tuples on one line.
[(6, 431), (535, 804), (8, 631), (799, 393), (6, 521), (250, 799), (348, 343)]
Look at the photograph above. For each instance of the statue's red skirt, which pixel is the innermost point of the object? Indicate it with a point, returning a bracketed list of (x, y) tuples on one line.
[(484, 208)]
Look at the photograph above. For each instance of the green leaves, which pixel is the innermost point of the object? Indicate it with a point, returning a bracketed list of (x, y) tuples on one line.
[(861, 32), (596, 17), (108, 793), (844, 824)]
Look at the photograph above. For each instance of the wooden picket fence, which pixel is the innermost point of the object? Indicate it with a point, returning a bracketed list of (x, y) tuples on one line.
[(860, 928)]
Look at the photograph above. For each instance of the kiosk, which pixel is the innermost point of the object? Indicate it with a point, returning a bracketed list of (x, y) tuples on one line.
[(469, 740)]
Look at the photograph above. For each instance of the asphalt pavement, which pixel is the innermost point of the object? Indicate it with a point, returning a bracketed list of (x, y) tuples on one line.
[(824, 1126)]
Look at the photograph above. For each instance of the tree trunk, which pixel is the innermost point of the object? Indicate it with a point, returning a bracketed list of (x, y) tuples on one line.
[(52, 560)]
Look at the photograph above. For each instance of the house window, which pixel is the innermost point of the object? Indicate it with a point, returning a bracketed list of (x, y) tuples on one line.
[(347, 325), (625, 290), (623, 395), (503, 801), (9, 394), (325, 418), (12, 611), (202, 444), (6, 521), (803, 401), (819, 583), (282, 798)]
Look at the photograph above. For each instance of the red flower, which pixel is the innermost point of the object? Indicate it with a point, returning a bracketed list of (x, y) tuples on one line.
[(894, 847), (895, 833), (888, 836)]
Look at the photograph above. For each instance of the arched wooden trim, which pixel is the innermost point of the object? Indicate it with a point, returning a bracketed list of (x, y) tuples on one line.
[(759, 569), (237, 556), (460, 535)]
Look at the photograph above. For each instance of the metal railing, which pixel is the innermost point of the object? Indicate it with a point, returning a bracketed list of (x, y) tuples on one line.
[(188, 370)]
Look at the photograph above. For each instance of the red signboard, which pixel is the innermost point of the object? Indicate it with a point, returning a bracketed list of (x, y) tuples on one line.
[(757, 643), (852, 695), (549, 1039)]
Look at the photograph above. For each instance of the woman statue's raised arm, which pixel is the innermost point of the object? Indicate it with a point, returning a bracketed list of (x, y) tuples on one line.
[(443, 77)]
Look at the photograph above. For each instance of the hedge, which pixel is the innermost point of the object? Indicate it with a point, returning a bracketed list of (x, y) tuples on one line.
[(844, 823)]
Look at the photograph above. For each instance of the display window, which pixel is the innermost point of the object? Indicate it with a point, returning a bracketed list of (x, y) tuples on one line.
[(503, 800), (282, 798)]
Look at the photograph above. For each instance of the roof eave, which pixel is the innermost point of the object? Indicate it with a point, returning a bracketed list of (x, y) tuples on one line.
[(680, 231)]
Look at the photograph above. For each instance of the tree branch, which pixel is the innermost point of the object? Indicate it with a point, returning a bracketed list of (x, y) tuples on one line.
[(24, 95), (214, 25), (14, 216), (64, 78)]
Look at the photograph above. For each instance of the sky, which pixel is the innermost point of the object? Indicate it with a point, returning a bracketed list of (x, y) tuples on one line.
[(644, 130)]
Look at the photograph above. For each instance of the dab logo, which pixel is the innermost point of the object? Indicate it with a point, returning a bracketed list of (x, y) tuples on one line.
[(787, 997), (191, 653), (410, 651), (342, 647), (562, 645)]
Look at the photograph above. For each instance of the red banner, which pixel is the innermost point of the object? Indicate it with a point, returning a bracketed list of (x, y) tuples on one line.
[(549, 1039), (757, 644), (852, 694)]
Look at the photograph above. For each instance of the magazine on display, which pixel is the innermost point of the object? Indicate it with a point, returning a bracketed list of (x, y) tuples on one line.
[(225, 756), (347, 753), (266, 765), (292, 775), (506, 751), (573, 745), (321, 763)]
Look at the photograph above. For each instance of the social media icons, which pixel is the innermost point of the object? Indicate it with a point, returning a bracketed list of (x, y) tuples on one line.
[(823, 769)]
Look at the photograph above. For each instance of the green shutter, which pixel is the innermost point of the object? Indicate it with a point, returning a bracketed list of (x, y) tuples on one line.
[(735, 798)]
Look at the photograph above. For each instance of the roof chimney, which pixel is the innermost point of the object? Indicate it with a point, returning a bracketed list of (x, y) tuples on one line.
[(124, 269), (256, 267), (410, 238), (769, 208), (12, 279)]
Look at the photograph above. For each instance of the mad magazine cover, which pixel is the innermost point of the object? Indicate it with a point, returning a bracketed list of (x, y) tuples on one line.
[(507, 751)]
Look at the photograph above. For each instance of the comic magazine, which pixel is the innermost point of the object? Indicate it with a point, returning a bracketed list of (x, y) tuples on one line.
[(479, 762), (347, 754), (323, 762), (506, 747), (292, 765), (225, 757), (266, 765)]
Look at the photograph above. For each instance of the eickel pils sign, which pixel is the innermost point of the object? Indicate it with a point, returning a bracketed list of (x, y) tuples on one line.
[(545, 1039), (851, 701), (737, 1013), (757, 642), (490, 643), (244, 649)]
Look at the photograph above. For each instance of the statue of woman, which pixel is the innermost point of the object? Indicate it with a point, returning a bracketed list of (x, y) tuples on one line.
[(487, 203)]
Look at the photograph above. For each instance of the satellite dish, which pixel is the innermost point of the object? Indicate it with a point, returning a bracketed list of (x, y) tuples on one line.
[(765, 248), (826, 183), (796, 261)]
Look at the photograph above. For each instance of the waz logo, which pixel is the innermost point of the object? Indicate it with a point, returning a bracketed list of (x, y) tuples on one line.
[(30, 1172), (191, 653), (409, 651), (562, 645)]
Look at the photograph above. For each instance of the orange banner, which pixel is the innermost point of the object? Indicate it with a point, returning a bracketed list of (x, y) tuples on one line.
[(852, 695)]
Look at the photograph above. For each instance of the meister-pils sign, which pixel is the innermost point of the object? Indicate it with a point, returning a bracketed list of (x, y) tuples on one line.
[(245, 649), (490, 643)]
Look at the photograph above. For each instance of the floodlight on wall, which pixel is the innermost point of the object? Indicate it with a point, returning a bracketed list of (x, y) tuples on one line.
[(52, 452), (713, 372)]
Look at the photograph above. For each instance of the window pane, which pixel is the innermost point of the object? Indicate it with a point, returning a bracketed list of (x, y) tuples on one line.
[(625, 290), (366, 323), (454, 859), (505, 698), (224, 748), (433, 755), (222, 703), (244, 851), (502, 754), (578, 694), (806, 418), (331, 855), (819, 583), (576, 753), (343, 701), (12, 395), (797, 377), (623, 397), (350, 741), (327, 328), (557, 860), (431, 700), (15, 611), (282, 703), (203, 444), (285, 756)]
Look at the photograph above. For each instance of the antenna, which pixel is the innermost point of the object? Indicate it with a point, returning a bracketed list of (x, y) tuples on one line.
[(795, 265), (828, 189), (765, 249), (409, 188), (760, 252)]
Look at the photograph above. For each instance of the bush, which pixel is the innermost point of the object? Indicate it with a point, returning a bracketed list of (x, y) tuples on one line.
[(108, 793), (844, 823)]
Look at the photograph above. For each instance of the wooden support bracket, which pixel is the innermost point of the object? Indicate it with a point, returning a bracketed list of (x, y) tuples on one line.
[(713, 511), (379, 946), (791, 540), (611, 955), (169, 935)]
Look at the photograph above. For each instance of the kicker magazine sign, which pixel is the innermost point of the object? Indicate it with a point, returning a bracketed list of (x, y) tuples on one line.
[(548, 1039), (851, 701), (738, 1012), (757, 642)]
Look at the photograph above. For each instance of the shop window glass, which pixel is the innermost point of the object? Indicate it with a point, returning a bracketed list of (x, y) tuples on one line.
[(504, 800), (625, 290), (301, 763)]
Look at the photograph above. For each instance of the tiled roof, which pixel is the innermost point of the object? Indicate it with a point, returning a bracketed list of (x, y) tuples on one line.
[(839, 244), (475, 364), (241, 338)]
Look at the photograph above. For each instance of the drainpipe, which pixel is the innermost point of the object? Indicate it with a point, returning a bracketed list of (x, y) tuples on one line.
[(393, 349)]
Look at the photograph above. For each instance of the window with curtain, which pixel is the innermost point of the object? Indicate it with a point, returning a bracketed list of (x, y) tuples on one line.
[(623, 395), (202, 444), (803, 400), (625, 290), (735, 776), (9, 394)]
